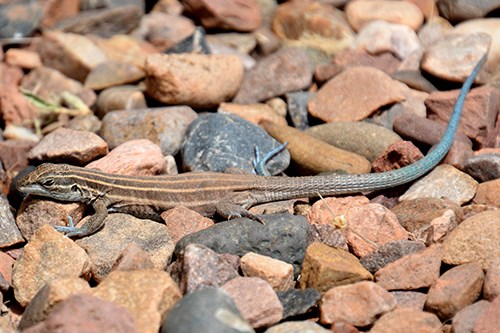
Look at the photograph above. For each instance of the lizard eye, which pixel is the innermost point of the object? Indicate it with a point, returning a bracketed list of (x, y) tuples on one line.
[(48, 182), (75, 188)]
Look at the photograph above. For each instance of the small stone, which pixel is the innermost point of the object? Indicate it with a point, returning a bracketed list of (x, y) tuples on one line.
[(489, 320), (181, 221), (413, 271), (36, 266), (256, 300), (120, 98), (14, 154), (455, 289), (6, 263), (147, 294), (105, 246), (384, 61), (214, 309), (281, 72), (483, 167), (407, 320), (202, 267), (163, 126), (325, 267), (200, 81), (389, 252), (277, 273), (20, 19), (15, 107), (477, 238), (132, 258), (254, 113), (444, 181), (491, 287), (464, 320), (297, 327), (135, 157), (23, 58), (328, 235), (338, 99), (463, 10), (111, 73), (410, 299), (298, 302), (397, 155), (126, 48), (9, 231), (297, 108)]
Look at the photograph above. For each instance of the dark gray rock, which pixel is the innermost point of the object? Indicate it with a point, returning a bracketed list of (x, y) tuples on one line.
[(284, 237), (216, 142), (209, 310), (19, 19), (297, 108), (483, 167), (388, 253), (297, 302)]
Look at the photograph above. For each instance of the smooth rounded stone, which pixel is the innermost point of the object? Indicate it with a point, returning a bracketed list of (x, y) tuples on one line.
[(297, 327), (477, 238), (445, 58), (254, 113), (36, 266), (85, 123), (313, 156), (339, 99), (78, 311), (488, 193), (362, 138), (461, 10), (483, 167), (164, 126), (197, 80), (23, 58), (410, 299), (414, 80), (465, 319), (111, 73), (209, 310), (389, 252), (20, 19), (380, 36), (216, 142), (298, 302), (105, 246), (120, 98), (359, 13), (325, 267), (240, 236), (9, 231), (358, 304), (413, 271), (68, 145), (444, 181), (407, 320), (297, 108), (491, 287), (489, 320), (286, 70)]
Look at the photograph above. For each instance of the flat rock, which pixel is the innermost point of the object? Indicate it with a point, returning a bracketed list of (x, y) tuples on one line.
[(277, 273), (163, 126), (281, 72), (214, 311), (410, 299), (105, 246), (477, 238), (325, 267), (23, 58), (70, 146), (444, 181), (338, 99), (111, 73), (36, 266), (407, 320)]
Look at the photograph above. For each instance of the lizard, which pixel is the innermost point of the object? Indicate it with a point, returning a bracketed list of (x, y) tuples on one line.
[(229, 195)]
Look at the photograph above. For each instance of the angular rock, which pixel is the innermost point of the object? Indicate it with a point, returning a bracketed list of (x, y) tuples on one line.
[(133, 258), (111, 73), (277, 273), (397, 155), (298, 302), (389, 252), (9, 231), (181, 221)]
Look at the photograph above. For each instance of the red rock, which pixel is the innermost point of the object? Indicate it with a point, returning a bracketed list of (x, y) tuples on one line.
[(407, 320), (23, 58), (182, 221), (490, 320), (277, 273), (397, 155), (465, 319), (54, 11), (14, 107), (6, 263), (491, 287)]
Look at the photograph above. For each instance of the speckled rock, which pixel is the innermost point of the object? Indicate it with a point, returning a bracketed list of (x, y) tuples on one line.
[(388, 253), (298, 302)]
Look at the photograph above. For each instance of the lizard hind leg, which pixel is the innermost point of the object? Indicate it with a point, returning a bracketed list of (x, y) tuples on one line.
[(236, 205)]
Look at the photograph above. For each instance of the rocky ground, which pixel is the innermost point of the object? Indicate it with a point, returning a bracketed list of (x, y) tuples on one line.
[(162, 87)]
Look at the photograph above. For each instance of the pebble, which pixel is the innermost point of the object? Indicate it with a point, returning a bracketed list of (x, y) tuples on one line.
[(135, 157), (338, 100), (357, 137), (23, 58), (120, 98), (181, 221), (15, 109), (216, 142), (105, 246), (164, 126), (358, 304), (298, 302), (111, 73), (488, 321), (389, 252), (491, 287), (197, 80), (240, 236), (214, 310), (20, 19), (457, 11), (70, 146), (488, 193), (132, 258), (384, 61), (455, 289), (6, 263), (313, 156), (444, 181), (9, 231), (297, 327), (407, 320), (277, 273), (483, 167), (297, 108), (36, 266), (360, 13), (325, 267), (466, 318), (147, 294), (398, 155), (284, 71), (125, 48), (477, 238)]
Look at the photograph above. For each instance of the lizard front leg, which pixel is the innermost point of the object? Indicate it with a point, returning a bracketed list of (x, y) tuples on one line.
[(94, 223), (236, 205)]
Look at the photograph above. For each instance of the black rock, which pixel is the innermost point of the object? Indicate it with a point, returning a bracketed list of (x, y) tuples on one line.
[(283, 236), (297, 302), (217, 142), (297, 108), (209, 310)]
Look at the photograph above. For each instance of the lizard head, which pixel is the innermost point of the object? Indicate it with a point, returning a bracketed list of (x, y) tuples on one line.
[(50, 180)]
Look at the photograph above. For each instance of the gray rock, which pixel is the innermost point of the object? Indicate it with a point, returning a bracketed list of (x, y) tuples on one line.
[(284, 237), (297, 302), (209, 310), (216, 142), (297, 108), (483, 167), (388, 253), (9, 232)]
